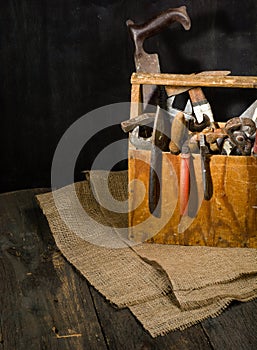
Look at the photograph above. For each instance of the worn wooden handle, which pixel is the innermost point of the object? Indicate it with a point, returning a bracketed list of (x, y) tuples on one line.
[(195, 80), (197, 96), (140, 32)]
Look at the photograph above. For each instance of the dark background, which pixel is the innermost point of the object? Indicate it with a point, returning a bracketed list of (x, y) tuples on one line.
[(63, 58)]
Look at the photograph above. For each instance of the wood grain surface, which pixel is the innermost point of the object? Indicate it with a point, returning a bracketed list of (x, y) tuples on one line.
[(228, 219), (46, 304), (247, 82)]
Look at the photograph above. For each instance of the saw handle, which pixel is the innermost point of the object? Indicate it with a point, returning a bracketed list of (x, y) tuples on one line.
[(140, 32)]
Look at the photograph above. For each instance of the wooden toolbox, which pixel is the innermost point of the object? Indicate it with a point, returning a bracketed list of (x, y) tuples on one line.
[(228, 219)]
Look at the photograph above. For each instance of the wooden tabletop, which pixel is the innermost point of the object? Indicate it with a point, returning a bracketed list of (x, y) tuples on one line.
[(46, 304)]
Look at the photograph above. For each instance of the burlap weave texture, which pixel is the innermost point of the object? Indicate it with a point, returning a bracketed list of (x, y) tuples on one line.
[(165, 287)]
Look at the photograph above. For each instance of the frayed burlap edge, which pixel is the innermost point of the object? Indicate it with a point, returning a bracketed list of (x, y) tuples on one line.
[(124, 278), (119, 274)]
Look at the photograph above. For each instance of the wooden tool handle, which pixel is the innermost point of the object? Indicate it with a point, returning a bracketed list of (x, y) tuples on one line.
[(178, 133), (140, 32), (201, 106), (197, 95)]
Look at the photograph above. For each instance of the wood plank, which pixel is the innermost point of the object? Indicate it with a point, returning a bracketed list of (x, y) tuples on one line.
[(235, 328), (45, 304), (194, 80), (228, 219), (123, 331), (176, 90), (135, 99)]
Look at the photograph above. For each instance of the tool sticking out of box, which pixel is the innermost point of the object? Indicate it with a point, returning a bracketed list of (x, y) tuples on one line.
[(186, 132), (152, 94)]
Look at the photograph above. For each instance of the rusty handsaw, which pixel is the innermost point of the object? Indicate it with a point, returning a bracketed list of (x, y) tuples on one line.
[(149, 63)]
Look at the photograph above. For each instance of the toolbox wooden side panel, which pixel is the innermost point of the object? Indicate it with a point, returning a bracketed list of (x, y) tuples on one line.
[(228, 219)]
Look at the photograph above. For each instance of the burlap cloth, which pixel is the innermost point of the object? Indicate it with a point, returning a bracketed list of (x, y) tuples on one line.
[(165, 287)]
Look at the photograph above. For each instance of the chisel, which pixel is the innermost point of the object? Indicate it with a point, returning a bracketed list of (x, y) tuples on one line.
[(160, 142), (207, 185)]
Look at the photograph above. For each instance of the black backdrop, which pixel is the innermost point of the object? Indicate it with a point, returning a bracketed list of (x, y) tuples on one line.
[(63, 58)]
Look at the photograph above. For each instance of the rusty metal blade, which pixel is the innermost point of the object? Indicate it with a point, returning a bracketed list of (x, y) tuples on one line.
[(160, 142), (250, 111)]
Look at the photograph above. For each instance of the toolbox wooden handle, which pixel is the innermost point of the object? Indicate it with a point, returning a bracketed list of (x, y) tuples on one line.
[(194, 80)]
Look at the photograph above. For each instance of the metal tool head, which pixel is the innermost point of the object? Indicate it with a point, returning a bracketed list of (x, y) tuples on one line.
[(205, 166), (188, 108), (160, 127), (202, 140), (227, 147), (244, 124), (139, 142), (174, 111), (203, 147), (140, 120), (250, 112), (241, 131), (248, 127), (194, 126)]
